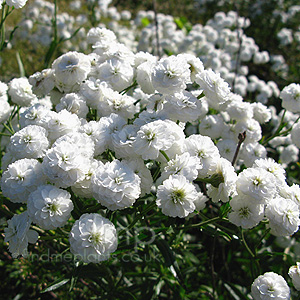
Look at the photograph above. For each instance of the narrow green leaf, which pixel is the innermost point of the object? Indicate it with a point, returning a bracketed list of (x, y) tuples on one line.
[(55, 285), (20, 64)]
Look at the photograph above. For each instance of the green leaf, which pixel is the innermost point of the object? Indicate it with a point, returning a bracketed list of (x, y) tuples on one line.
[(20, 64), (56, 285), (145, 21)]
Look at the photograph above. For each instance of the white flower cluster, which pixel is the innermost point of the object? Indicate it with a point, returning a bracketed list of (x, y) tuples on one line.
[(103, 119)]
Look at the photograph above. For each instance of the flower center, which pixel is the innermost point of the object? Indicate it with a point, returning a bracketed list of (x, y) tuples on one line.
[(177, 196), (244, 212), (95, 238)]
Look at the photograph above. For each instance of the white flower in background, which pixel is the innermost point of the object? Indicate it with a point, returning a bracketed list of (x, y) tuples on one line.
[(115, 185), (70, 69), (283, 215), (290, 97), (16, 3), (205, 150), (176, 196), (49, 207), (20, 91), (21, 178), (226, 181), (270, 286), (93, 238), (245, 212), (18, 234), (240, 110), (215, 88), (257, 183), (73, 103), (294, 273), (118, 74), (171, 75), (29, 142)]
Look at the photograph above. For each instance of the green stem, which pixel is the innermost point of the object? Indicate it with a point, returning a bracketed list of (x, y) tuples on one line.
[(165, 155), (246, 245)]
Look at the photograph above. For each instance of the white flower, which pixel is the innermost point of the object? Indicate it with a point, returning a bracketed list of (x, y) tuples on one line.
[(215, 88), (184, 107), (61, 123), (176, 196), (101, 35), (227, 148), (34, 115), (227, 186), (153, 137), (245, 212), (42, 82), (270, 286), (20, 91), (171, 75), (295, 133), (212, 126), (73, 103), (64, 164), (93, 238), (21, 178), (16, 3), (49, 207), (29, 142), (144, 76), (83, 187), (139, 168), (294, 273), (122, 141), (5, 110), (113, 102), (283, 215), (251, 152), (71, 69), (118, 74), (256, 183), (290, 96), (18, 234), (273, 167), (183, 164), (206, 151), (115, 185), (261, 113)]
